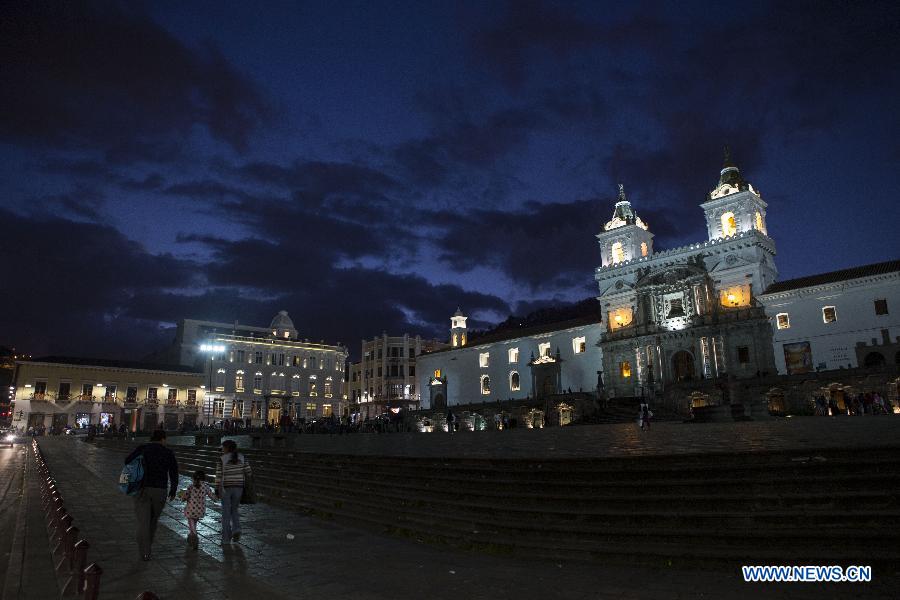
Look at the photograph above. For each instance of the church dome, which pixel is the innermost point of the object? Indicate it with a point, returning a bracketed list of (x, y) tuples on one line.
[(730, 179), (282, 326), (623, 214)]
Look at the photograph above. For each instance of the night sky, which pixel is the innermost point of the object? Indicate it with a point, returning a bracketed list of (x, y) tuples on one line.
[(370, 166)]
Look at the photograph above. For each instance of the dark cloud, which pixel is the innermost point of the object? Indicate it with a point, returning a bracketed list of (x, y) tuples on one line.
[(542, 245), (318, 179), (74, 278), (103, 76)]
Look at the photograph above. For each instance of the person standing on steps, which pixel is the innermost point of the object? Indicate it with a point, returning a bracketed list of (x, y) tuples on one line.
[(160, 474), (645, 416), (231, 472)]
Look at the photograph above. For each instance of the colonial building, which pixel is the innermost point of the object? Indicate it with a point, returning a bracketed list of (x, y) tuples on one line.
[(531, 363), (837, 320), (77, 392), (260, 374), (689, 313), (385, 379)]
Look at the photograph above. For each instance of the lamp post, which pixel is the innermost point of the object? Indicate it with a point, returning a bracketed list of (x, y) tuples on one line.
[(211, 350)]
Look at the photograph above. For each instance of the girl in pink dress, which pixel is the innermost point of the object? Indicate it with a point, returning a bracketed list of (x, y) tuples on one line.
[(195, 504)]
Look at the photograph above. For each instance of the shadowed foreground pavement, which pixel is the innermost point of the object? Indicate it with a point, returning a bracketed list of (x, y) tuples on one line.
[(327, 560)]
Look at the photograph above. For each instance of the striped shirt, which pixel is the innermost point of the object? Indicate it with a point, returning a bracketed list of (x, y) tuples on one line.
[(231, 475)]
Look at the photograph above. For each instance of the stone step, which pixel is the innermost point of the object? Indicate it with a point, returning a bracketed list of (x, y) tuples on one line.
[(638, 543), (810, 488), (569, 470), (817, 490)]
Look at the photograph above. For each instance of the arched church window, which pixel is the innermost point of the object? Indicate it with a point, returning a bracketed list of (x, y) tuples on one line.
[(729, 225), (643, 248), (514, 381), (485, 385), (617, 252), (759, 222)]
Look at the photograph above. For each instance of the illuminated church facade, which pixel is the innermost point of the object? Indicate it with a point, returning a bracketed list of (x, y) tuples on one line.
[(692, 312)]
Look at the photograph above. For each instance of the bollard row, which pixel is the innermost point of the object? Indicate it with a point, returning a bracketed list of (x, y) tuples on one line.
[(81, 579)]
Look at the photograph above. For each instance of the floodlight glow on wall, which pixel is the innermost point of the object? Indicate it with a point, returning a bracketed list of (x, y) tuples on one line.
[(212, 348)]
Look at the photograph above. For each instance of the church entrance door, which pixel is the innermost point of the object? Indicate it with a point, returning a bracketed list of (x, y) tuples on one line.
[(682, 366), (274, 413), (549, 387), (440, 402)]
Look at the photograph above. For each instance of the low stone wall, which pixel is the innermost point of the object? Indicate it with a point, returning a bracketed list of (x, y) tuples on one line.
[(789, 394)]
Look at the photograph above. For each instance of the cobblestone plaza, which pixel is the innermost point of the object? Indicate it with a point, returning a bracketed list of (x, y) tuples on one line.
[(325, 559)]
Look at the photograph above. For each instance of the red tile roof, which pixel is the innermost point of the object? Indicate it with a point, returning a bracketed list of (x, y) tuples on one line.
[(882, 268)]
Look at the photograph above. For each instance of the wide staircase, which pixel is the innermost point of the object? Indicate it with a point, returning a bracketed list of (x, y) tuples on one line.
[(711, 511)]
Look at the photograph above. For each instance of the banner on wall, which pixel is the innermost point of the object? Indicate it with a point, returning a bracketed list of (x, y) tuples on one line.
[(798, 358)]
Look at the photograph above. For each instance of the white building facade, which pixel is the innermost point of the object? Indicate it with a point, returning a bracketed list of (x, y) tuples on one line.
[(259, 375), (843, 319), (528, 364), (689, 313)]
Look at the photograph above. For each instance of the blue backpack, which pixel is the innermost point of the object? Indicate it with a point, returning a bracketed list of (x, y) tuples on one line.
[(132, 477)]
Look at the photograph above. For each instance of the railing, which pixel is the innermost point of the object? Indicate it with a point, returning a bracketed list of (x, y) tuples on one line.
[(79, 577)]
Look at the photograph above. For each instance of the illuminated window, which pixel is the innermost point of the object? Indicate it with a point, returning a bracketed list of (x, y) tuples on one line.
[(257, 383), (579, 345), (484, 359), (829, 314), (310, 409), (328, 389), (782, 321), (729, 225), (437, 373), (326, 410), (485, 385), (514, 381), (617, 252), (759, 222), (620, 317), (644, 249), (295, 385), (313, 388), (239, 381), (513, 355), (544, 349), (455, 339), (218, 408), (220, 380), (881, 306), (625, 369)]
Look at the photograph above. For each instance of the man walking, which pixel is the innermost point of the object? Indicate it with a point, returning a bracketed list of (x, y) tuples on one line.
[(159, 466)]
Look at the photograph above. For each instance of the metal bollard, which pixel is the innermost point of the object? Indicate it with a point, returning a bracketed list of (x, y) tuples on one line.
[(60, 534), (92, 581), (68, 549), (54, 513), (75, 582)]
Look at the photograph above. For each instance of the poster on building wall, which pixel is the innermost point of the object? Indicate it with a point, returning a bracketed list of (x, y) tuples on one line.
[(798, 358)]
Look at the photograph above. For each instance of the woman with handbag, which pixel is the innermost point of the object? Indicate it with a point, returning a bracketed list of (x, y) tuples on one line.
[(232, 474)]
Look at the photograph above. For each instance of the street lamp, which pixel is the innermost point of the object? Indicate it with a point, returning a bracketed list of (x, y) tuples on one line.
[(211, 350)]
